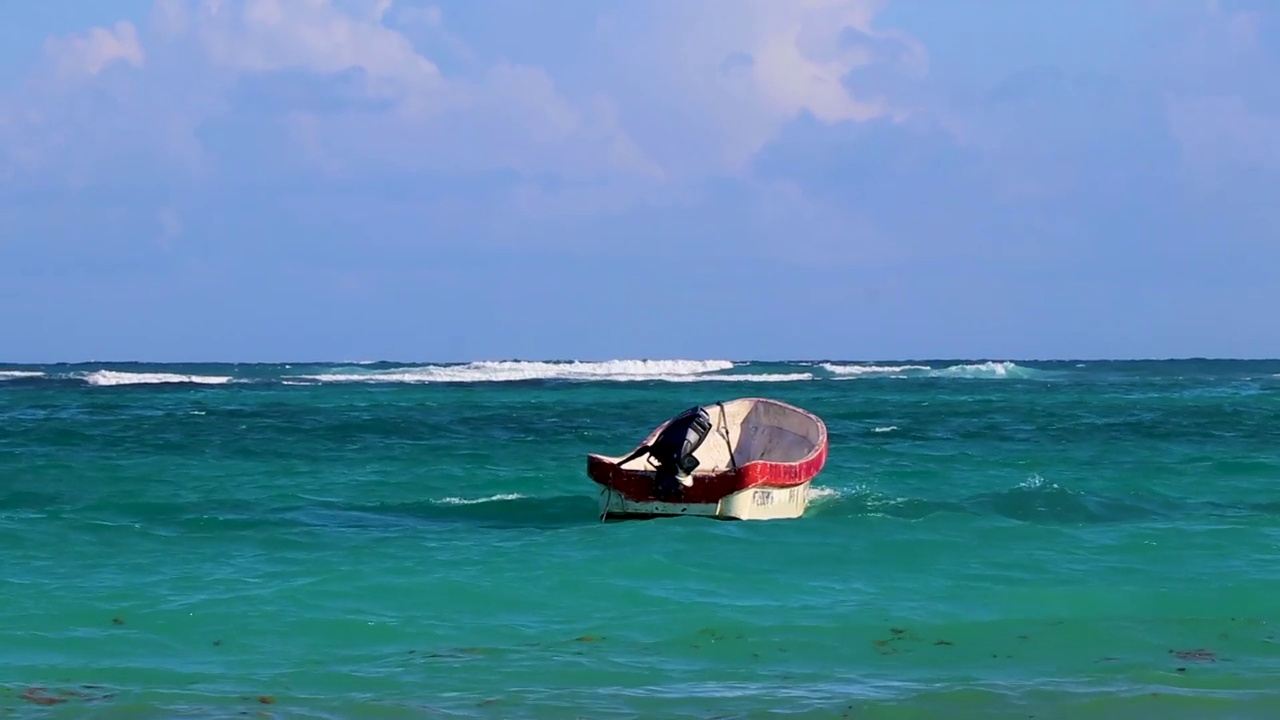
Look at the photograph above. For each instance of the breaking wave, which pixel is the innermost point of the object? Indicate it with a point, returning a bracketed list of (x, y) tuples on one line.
[(980, 370), (987, 369), (111, 378), (19, 374), (859, 370), (514, 371), (502, 371)]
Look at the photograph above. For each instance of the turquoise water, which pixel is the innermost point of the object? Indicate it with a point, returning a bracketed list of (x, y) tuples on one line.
[(987, 540)]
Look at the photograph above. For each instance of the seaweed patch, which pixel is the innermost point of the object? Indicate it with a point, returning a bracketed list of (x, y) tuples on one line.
[(896, 634), (1196, 655), (39, 695)]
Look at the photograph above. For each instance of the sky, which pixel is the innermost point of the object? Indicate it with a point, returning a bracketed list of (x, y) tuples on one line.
[(291, 180)]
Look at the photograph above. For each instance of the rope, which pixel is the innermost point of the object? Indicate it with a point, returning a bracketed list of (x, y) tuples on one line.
[(724, 431), (604, 511)]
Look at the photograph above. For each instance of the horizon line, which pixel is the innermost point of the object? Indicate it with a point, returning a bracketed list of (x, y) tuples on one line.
[(905, 359)]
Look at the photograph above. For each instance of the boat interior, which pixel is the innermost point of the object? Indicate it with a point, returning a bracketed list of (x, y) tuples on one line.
[(747, 430)]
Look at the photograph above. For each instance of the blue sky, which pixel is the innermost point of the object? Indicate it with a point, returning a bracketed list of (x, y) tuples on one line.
[(364, 179)]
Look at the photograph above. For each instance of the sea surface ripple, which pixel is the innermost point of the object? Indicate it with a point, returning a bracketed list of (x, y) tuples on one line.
[(989, 539)]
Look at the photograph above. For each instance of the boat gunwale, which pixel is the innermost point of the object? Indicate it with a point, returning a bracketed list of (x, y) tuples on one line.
[(653, 434), (754, 473)]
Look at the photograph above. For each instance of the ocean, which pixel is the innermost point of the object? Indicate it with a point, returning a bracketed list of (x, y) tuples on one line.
[(988, 539)]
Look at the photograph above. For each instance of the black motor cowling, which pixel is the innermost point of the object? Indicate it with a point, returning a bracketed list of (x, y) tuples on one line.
[(672, 450)]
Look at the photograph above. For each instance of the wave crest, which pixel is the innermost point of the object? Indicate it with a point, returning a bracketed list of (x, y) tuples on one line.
[(989, 369), (516, 371), (19, 374), (860, 370), (1004, 369), (109, 378)]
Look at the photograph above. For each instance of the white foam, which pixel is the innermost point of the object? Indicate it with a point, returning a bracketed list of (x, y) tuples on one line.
[(760, 377), (509, 371), (860, 370), (1033, 481), (17, 374), (988, 369), (114, 377), (1036, 482), (887, 428), (984, 370), (425, 377), (822, 494), (476, 501)]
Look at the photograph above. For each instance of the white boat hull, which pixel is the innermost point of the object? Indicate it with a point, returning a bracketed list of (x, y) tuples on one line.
[(754, 503), (755, 463)]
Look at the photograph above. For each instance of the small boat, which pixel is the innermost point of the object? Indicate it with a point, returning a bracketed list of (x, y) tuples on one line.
[(742, 459)]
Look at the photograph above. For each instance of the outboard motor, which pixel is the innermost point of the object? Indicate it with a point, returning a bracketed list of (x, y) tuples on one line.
[(672, 451)]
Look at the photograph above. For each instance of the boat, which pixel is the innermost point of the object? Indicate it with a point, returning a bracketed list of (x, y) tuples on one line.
[(743, 459)]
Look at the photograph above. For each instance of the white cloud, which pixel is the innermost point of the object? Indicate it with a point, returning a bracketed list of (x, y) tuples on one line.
[(511, 116), (801, 58), (170, 18), (729, 73), (315, 36), (92, 52)]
